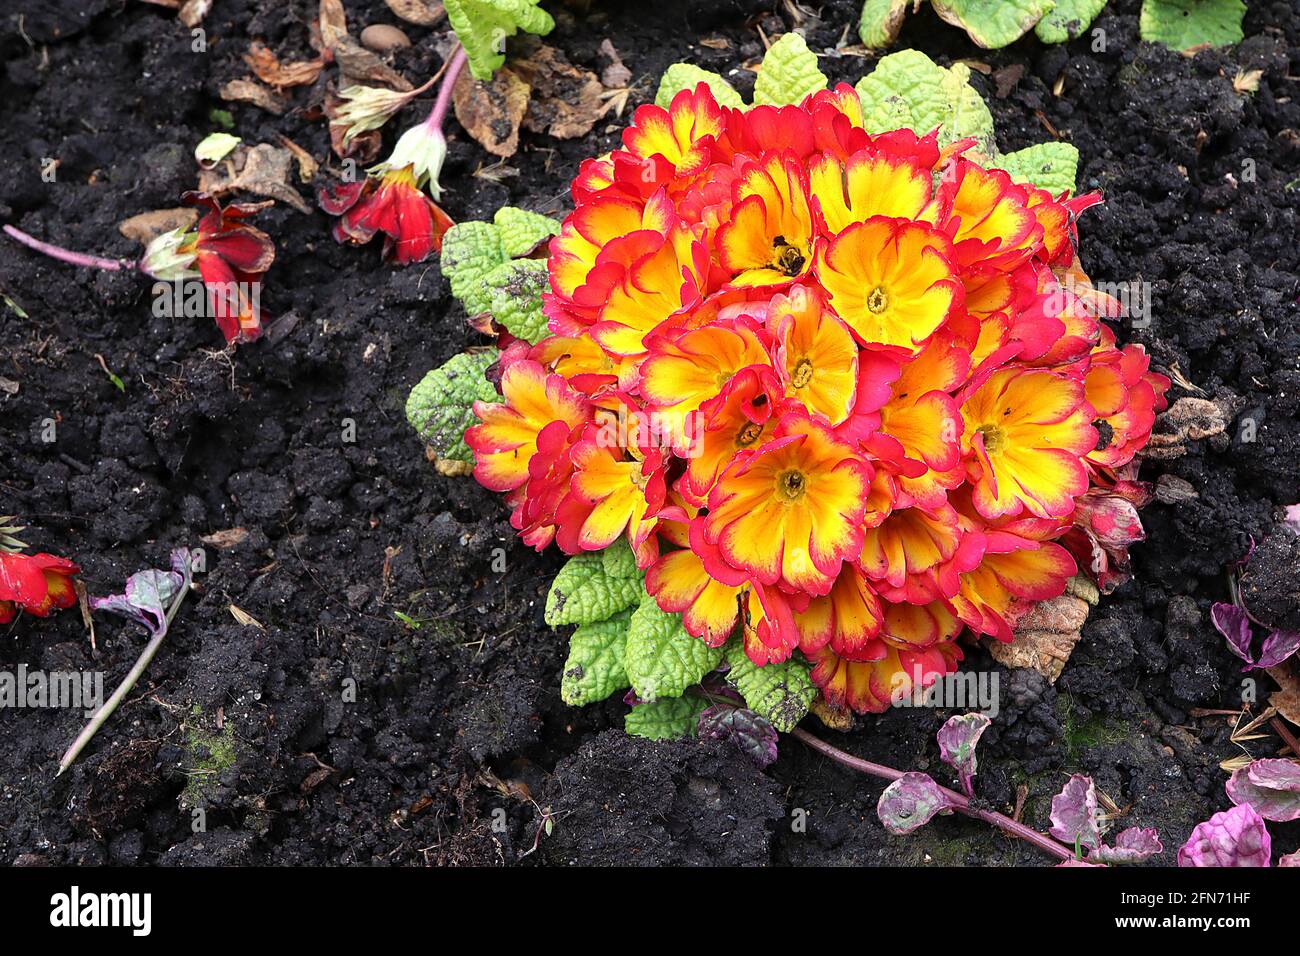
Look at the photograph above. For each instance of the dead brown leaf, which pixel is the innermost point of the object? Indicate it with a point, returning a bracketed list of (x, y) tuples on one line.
[(193, 12), (1287, 697), (716, 43), (425, 13), (262, 170), (566, 101), (333, 22), (491, 112), (247, 91), (147, 226), (307, 165), (835, 718), (244, 618), (266, 66), (1045, 636), (1190, 419), (616, 75), (226, 538), (359, 65)]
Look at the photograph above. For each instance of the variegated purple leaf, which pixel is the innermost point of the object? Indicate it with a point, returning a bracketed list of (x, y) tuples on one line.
[(1272, 787), (910, 802), (1236, 837), (752, 733), (148, 596), (958, 738), (1291, 859), (1074, 813), (1231, 621), (1278, 647), (1134, 845)]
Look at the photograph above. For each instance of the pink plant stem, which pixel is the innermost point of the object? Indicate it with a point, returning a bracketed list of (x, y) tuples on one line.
[(955, 800), (67, 255), (438, 115)]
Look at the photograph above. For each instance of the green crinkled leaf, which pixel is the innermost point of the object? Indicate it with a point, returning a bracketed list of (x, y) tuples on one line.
[(1068, 20), (662, 660), (618, 561), (782, 693), (1183, 24), (482, 27), (470, 250), (594, 669), (522, 231), (993, 23), (440, 407), (582, 593), (1051, 166), (789, 73), (666, 719), (687, 76), (515, 297), (881, 21), (908, 89)]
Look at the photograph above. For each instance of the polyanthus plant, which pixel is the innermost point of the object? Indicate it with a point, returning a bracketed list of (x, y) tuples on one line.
[(831, 386), (1179, 24)]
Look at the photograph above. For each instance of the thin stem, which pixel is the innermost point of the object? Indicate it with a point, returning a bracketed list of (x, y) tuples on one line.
[(110, 705), (1288, 738), (440, 106), (67, 255), (955, 800)]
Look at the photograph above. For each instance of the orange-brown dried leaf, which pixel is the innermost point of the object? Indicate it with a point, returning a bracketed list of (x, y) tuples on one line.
[(491, 112)]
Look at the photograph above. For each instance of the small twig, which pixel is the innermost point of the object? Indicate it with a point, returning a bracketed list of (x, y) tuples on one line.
[(124, 688), (956, 801), (1287, 737)]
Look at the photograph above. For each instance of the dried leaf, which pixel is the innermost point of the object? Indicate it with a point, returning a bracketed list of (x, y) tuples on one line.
[(226, 538), (262, 170), (425, 13), (145, 227), (1287, 698), (246, 91), (244, 618), (1247, 81), (1045, 636), (268, 68), (566, 101), (333, 23), (616, 76), (359, 65), (193, 12), (491, 112), (307, 165)]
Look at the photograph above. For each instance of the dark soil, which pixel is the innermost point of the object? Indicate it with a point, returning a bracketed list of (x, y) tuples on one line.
[(457, 739)]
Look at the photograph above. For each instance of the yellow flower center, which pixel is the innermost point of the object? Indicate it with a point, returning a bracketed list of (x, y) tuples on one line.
[(802, 374), (786, 259), (748, 435), (994, 438), (878, 300), (791, 485)]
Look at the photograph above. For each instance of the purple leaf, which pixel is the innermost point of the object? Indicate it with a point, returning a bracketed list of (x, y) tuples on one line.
[(1291, 859), (1292, 518), (957, 740), (1235, 837), (910, 802), (1278, 646), (1271, 787), (752, 733), (1231, 621), (148, 595), (1074, 813), (1134, 845)]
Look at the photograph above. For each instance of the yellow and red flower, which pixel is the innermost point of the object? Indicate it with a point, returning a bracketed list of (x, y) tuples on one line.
[(38, 584), (867, 409)]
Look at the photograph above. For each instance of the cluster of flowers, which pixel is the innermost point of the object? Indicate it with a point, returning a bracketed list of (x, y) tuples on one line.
[(841, 390)]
